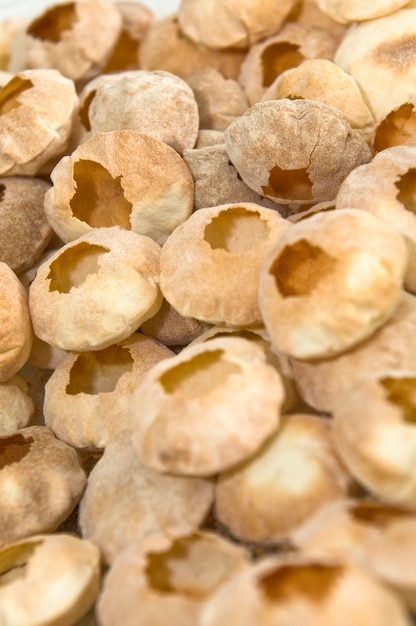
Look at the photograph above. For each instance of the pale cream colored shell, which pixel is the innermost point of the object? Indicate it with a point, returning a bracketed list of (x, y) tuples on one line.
[(87, 397), (289, 48), (307, 149), (323, 382), (15, 324), (168, 577), (9, 28), (379, 55), (304, 590), (220, 250), (45, 356), (37, 108), (386, 188), (75, 38), (16, 406), (295, 473), (41, 482), (48, 580), (24, 229), (232, 23), (219, 100), (206, 409), (320, 79), (346, 11), (157, 103), (330, 282), (122, 178), (165, 47), (96, 290), (375, 434), (126, 503)]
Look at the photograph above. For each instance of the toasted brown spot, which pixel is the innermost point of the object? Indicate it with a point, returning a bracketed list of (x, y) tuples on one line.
[(84, 110), (14, 561), (398, 128), (406, 186), (99, 198), (51, 24), (289, 184), (314, 582), (74, 265), (375, 514), (399, 54), (300, 268), (277, 58), (236, 230), (124, 55), (198, 376), (9, 94), (13, 449), (99, 372), (402, 393)]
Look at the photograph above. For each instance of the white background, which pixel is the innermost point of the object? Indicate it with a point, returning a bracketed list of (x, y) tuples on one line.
[(31, 8)]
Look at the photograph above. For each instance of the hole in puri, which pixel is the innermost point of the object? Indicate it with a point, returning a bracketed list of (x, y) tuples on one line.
[(51, 24), (397, 128), (292, 185), (402, 393), (277, 58), (300, 268), (199, 375), (9, 94), (406, 186), (99, 198), (14, 561), (13, 449), (314, 582), (236, 230), (74, 265), (99, 372), (124, 55)]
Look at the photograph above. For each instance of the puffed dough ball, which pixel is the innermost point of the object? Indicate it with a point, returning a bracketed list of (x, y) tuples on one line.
[(346, 11), (75, 38), (48, 580), (87, 397), (96, 290), (374, 431), (15, 324), (157, 103), (37, 108), (165, 47), (291, 477), (393, 346), (41, 482), (330, 282), (290, 47), (386, 187), (294, 150), (121, 178), (171, 328), (232, 23), (168, 577), (16, 406), (206, 409), (24, 229), (126, 503), (304, 590), (320, 79), (219, 250), (379, 55)]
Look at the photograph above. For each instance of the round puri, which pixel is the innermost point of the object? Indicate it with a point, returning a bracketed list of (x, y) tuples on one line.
[(207, 408), (126, 502), (96, 290)]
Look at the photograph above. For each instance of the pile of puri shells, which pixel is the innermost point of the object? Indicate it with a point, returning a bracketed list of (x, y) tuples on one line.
[(208, 314)]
